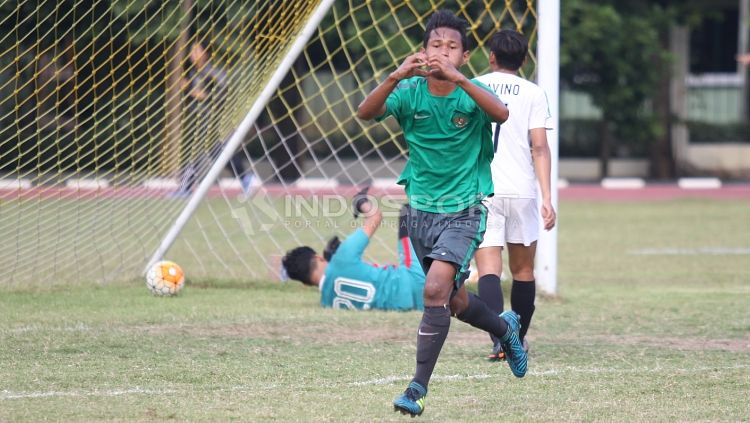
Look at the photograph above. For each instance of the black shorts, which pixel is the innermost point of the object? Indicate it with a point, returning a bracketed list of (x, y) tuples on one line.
[(449, 237)]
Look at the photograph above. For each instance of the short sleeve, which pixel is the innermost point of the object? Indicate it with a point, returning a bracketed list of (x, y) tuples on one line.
[(393, 104), (353, 246), (540, 112)]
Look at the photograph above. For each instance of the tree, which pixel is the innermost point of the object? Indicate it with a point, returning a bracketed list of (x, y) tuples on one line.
[(173, 25), (610, 56), (617, 51)]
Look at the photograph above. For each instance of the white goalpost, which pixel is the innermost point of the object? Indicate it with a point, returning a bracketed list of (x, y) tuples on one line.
[(242, 130), (548, 54)]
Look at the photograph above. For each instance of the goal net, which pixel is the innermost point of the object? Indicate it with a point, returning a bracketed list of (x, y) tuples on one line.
[(119, 120)]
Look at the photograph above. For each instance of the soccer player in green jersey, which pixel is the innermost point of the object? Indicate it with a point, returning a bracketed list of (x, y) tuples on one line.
[(446, 120)]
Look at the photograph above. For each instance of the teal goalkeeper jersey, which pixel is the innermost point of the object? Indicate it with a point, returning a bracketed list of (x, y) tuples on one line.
[(351, 283), (450, 146)]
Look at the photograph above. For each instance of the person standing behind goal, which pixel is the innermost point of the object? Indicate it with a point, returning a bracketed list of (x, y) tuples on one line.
[(522, 157)]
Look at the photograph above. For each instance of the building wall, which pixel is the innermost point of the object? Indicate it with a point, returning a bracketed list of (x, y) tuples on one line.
[(712, 100), (728, 160)]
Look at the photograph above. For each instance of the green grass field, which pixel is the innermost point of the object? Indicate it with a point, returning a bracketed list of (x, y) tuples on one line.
[(651, 324)]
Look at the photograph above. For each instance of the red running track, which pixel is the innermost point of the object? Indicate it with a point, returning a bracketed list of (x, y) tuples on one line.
[(590, 192), (653, 192)]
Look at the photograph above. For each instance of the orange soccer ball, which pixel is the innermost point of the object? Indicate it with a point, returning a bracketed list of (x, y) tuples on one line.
[(165, 278)]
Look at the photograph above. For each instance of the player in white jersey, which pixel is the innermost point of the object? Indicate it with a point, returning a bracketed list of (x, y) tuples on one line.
[(522, 158)]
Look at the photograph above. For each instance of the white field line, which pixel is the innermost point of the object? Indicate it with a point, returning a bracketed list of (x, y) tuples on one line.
[(10, 395), (690, 251), (555, 372), (77, 327), (6, 395)]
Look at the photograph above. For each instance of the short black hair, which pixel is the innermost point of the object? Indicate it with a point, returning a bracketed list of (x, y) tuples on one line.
[(298, 264), (510, 49), (446, 19)]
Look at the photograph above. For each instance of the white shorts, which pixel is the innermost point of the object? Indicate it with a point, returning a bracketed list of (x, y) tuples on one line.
[(511, 220)]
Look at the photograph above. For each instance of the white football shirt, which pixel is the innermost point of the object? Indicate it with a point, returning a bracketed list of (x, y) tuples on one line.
[(512, 168)]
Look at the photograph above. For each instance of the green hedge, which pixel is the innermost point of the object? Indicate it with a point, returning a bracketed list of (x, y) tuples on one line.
[(715, 133)]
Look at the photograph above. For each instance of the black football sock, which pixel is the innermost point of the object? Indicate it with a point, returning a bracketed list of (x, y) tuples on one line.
[(522, 296), (430, 338), (480, 316), (491, 292), (403, 229)]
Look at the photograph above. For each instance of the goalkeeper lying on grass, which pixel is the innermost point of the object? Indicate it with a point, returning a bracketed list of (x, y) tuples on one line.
[(346, 281)]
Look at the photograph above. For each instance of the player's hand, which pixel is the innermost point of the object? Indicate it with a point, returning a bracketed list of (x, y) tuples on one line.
[(361, 203), (442, 67), (413, 65), (548, 215)]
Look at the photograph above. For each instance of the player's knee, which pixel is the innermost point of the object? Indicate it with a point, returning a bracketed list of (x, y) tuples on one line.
[(437, 292), (490, 270), (524, 274), (439, 284), (432, 293), (522, 271)]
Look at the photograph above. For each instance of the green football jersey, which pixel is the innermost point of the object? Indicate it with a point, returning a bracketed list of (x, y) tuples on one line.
[(450, 146)]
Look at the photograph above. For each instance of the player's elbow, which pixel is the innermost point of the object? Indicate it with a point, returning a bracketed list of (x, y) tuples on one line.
[(539, 144), (502, 115), (363, 113), (367, 110), (540, 151), (499, 113)]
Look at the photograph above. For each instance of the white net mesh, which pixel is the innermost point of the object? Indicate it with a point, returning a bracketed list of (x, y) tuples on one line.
[(108, 125), (310, 154), (103, 112)]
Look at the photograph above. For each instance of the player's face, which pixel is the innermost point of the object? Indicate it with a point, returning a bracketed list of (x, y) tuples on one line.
[(446, 42)]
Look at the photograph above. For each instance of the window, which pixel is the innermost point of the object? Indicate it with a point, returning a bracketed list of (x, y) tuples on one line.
[(713, 43)]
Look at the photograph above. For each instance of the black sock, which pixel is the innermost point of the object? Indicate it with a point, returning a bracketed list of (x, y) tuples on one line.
[(480, 316), (432, 333), (522, 296), (403, 228), (491, 293)]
